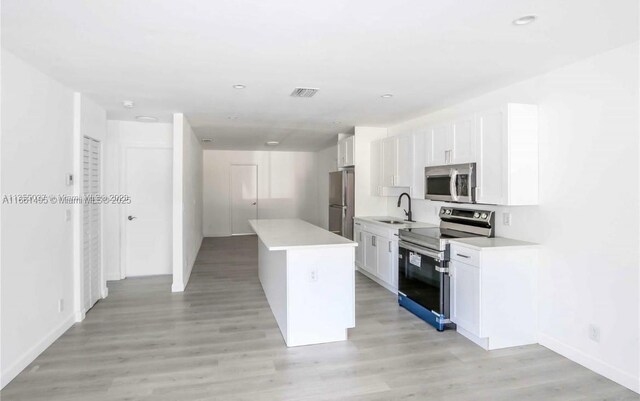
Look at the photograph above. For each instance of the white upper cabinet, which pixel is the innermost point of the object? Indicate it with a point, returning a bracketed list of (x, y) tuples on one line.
[(503, 142), (389, 162), (420, 160), (349, 151), (392, 165), (346, 152), (464, 141), (404, 162), (507, 155), (441, 144), (452, 142)]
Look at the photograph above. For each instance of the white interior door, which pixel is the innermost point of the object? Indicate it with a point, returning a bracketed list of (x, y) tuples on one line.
[(244, 198), (147, 220), (91, 224)]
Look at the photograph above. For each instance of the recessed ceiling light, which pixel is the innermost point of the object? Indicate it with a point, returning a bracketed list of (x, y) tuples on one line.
[(527, 19), (146, 119), (206, 140), (239, 86), (272, 143), (128, 104), (386, 96), (232, 118)]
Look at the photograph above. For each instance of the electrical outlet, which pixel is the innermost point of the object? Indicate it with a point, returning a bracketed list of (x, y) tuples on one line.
[(60, 305), (314, 275), (594, 333), (506, 218)]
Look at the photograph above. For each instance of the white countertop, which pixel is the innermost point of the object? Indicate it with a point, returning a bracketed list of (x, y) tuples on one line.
[(481, 243), (405, 224), (283, 234)]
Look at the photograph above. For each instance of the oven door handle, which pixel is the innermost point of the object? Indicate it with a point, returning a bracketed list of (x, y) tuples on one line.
[(453, 188), (422, 251)]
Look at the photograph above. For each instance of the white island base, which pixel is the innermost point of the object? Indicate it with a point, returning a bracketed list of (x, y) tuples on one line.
[(308, 277)]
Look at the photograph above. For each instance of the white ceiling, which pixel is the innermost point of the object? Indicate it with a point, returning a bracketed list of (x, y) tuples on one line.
[(170, 56)]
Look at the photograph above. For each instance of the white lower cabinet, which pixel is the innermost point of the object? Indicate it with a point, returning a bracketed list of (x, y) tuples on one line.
[(378, 254), (387, 261), (465, 296), (494, 294), (370, 253), (358, 236)]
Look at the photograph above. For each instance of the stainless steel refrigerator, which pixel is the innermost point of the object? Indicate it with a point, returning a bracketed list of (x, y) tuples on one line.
[(341, 184)]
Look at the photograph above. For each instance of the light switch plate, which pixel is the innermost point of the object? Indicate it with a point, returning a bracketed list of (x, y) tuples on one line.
[(69, 179)]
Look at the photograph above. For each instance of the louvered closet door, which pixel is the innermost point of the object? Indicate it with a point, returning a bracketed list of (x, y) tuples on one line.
[(91, 220)]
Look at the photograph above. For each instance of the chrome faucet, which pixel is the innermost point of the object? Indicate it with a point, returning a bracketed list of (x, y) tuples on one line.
[(407, 213)]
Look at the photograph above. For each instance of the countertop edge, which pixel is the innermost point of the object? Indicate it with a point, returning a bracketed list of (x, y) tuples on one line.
[(301, 247), (523, 245), (412, 224), (284, 245)]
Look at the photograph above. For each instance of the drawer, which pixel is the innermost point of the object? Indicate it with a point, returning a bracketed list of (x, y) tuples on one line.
[(465, 255)]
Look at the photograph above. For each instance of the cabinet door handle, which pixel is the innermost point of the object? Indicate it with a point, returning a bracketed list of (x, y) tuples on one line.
[(373, 241), (360, 236), (389, 246), (463, 256)]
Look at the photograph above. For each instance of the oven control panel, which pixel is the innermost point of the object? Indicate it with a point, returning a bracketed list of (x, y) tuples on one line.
[(451, 213)]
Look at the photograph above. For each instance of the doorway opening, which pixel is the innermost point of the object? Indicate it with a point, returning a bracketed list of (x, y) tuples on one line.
[(243, 197)]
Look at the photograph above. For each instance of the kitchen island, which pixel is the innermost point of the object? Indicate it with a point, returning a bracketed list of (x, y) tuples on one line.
[(308, 277)]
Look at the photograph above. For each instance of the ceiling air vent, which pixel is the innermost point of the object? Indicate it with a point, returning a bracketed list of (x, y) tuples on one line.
[(304, 92)]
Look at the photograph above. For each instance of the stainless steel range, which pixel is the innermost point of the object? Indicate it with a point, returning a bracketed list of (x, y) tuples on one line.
[(423, 282)]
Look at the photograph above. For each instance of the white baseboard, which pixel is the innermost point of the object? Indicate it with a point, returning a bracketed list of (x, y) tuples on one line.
[(589, 362), (377, 280), (18, 366), (114, 277), (177, 286), (482, 342), (105, 292), (79, 315)]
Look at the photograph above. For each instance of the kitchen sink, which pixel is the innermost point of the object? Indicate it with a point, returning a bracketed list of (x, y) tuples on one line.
[(392, 221)]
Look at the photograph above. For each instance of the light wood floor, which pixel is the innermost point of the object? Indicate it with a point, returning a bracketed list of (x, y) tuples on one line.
[(219, 341)]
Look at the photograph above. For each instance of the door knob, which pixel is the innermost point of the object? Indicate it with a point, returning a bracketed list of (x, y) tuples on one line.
[(131, 218)]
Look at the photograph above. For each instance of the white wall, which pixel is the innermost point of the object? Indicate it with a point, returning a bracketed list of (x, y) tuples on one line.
[(37, 258), (587, 220), (326, 161), (287, 186), (187, 201), (120, 135)]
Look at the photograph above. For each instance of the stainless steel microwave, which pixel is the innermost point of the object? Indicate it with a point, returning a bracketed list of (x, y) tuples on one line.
[(451, 183)]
